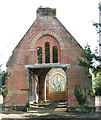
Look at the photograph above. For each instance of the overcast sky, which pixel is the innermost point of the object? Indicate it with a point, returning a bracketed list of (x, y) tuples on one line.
[(16, 16)]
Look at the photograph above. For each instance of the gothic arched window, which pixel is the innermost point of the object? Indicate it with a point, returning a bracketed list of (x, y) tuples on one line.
[(47, 52), (55, 54), (39, 55), (57, 84)]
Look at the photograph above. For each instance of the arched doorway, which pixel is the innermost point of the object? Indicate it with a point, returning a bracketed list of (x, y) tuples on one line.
[(41, 71), (55, 85)]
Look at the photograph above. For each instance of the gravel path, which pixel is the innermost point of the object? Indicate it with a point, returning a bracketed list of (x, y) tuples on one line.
[(54, 116)]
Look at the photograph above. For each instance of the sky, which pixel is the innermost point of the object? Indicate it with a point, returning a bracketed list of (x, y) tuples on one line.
[(16, 17)]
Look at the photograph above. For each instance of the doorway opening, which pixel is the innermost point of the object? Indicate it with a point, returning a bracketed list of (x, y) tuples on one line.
[(47, 82), (55, 85)]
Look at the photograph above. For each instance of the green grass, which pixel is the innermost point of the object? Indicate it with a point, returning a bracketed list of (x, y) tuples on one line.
[(38, 114)]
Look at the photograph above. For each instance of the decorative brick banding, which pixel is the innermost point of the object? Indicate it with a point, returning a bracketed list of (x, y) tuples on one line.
[(40, 34)]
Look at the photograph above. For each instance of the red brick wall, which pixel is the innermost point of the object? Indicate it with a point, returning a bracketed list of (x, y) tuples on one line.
[(56, 96), (24, 54)]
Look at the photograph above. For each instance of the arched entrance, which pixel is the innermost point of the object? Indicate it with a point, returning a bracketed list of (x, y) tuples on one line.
[(55, 85), (40, 71)]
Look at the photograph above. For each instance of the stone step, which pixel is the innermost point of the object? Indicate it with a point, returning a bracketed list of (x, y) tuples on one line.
[(49, 105)]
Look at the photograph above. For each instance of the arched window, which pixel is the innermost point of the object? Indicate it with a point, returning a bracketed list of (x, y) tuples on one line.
[(39, 55), (57, 84), (47, 52), (55, 54)]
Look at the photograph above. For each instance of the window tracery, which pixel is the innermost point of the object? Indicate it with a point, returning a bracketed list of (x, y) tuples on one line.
[(57, 84)]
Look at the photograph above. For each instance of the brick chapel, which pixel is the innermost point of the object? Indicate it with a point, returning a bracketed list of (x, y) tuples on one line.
[(44, 65)]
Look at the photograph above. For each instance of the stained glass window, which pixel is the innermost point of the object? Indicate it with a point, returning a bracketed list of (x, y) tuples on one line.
[(57, 85)]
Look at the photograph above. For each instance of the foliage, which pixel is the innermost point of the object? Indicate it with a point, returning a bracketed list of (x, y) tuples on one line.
[(97, 84), (85, 109), (91, 93), (98, 25), (27, 105), (89, 60), (99, 7), (3, 91), (22, 108), (19, 108), (3, 75), (80, 97)]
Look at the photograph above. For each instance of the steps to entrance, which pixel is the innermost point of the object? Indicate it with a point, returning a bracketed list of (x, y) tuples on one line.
[(56, 105)]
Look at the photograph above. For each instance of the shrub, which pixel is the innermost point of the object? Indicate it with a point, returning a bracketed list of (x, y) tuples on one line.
[(21, 108), (27, 105), (3, 91), (80, 97)]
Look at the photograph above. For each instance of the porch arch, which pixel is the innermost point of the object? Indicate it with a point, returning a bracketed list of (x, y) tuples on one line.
[(48, 66)]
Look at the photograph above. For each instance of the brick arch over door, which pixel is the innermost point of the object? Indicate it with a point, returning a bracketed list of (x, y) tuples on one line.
[(41, 34)]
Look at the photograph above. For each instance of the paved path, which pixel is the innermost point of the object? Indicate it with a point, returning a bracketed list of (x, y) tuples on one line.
[(55, 115)]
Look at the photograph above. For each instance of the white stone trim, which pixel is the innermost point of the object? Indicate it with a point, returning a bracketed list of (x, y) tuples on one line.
[(57, 73)]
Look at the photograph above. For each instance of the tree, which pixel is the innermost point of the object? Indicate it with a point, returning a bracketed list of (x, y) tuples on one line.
[(3, 75), (97, 84), (3, 90), (98, 25), (91, 60), (80, 97)]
